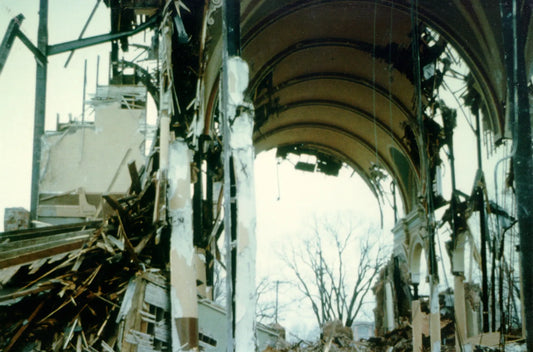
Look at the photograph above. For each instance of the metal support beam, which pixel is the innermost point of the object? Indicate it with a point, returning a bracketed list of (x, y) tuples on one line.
[(40, 108), (435, 333), (99, 39), (83, 30), (13, 30), (480, 200), (9, 38), (513, 29)]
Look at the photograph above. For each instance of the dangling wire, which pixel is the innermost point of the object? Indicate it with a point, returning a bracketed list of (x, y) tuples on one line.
[(390, 72), (277, 176), (374, 80), (390, 69)]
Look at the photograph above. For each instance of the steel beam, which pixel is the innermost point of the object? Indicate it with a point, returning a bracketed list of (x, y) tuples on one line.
[(9, 38), (99, 39), (514, 22), (40, 108)]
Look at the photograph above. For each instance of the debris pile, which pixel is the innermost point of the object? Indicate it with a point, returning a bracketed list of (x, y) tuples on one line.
[(399, 339), (335, 337), (95, 286)]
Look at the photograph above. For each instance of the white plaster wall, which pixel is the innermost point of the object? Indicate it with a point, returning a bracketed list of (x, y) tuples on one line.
[(90, 156)]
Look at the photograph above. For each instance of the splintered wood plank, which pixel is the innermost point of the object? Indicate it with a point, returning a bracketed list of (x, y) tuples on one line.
[(135, 180), (30, 291), (24, 327), (7, 273), (133, 319)]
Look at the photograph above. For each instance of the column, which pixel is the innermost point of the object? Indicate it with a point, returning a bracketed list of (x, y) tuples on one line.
[(183, 302)]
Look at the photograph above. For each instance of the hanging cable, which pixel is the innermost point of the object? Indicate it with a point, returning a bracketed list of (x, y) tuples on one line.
[(374, 80)]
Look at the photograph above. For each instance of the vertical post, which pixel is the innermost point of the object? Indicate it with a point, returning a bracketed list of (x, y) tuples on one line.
[(239, 188), (514, 44), (483, 227), (83, 110), (209, 257), (434, 321), (184, 306), (416, 317), (231, 48), (460, 311), (434, 314), (243, 158), (40, 108), (97, 73), (389, 306), (276, 311)]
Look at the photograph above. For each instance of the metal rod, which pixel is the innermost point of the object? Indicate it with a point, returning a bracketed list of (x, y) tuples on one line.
[(435, 334), (83, 110), (276, 313), (40, 108), (99, 39), (231, 47), (197, 200), (97, 72), (514, 44), (226, 155), (9, 38), (84, 90), (83, 30), (483, 227)]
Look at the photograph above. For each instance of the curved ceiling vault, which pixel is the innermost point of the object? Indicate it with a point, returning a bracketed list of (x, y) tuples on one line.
[(327, 75)]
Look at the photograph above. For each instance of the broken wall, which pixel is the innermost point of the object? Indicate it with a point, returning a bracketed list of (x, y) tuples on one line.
[(94, 156)]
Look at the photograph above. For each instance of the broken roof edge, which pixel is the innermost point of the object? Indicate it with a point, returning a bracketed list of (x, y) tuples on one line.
[(116, 93)]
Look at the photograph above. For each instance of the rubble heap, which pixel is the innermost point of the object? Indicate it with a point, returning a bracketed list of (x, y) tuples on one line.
[(65, 287)]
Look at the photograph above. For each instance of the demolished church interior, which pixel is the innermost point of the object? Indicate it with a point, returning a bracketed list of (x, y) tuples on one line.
[(119, 249)]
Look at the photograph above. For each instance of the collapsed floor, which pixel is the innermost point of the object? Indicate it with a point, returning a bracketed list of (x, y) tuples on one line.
[(90, 286)]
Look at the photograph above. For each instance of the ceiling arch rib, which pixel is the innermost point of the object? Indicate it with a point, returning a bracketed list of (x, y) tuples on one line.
[(352, 148), (356, 118), (350, 93), (350, 60), (319, 16), (472, 27), (399, 107), (355, 123), (334, 56)]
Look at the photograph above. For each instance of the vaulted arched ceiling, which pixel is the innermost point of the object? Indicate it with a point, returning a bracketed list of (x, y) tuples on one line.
[(336, 76)]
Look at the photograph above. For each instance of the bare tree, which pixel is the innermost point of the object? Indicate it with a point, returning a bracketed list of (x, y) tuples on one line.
[(266, 305), (333, 273)]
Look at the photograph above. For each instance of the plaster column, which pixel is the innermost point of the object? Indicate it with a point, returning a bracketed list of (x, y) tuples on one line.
[(389, 306), (183, 302), (434, 316), (460, 312), (243, 159), (458, 268), (416, 314)]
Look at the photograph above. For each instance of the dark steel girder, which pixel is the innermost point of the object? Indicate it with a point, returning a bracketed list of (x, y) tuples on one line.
[(99, 39)]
